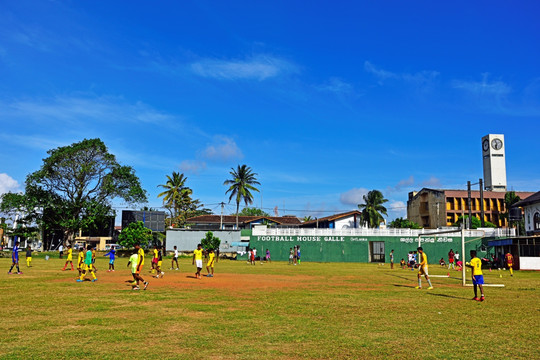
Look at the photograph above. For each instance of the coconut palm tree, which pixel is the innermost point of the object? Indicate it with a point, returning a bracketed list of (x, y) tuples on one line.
[(373, 208), (175, 189), (243, 180)]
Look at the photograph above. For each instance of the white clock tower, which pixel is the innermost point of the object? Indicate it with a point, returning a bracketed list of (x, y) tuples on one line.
[(494, 162)]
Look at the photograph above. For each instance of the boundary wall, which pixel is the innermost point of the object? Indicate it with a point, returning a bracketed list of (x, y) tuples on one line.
[(365, 245)]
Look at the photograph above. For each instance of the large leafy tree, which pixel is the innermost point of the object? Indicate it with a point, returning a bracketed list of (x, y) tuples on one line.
[(210, 241), (475, 223), (76, 184), (373, 209), (251, 211), (20, 212), (135, 233), (240, 186), (401, 223)]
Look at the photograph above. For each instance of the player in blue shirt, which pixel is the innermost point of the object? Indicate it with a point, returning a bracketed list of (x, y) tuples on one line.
[(111, 255), (15, 258)]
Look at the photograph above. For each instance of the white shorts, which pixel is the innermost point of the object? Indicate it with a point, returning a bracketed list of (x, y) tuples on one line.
[(198, 263), (423, 270)]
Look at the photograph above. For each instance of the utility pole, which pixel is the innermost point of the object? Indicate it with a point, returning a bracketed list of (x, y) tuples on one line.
[(482, 222), (469, 203), (221, 218)]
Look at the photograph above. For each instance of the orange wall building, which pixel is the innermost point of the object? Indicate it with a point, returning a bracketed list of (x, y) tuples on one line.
[(433, 208)]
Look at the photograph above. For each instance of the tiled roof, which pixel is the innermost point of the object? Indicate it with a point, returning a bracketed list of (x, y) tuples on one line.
[(476, 193), (487, 194), (333, 217), (231, 219), (534, 198)]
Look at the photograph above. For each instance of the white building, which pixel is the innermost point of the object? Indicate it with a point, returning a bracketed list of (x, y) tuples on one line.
[(531, 208)]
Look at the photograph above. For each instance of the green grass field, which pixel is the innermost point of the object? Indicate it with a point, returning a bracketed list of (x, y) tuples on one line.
[(270, 311)]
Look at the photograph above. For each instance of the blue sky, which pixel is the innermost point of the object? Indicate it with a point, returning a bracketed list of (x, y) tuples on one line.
[(324, 101)]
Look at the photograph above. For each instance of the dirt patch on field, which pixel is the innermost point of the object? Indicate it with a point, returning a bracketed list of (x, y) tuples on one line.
[(234, 282)]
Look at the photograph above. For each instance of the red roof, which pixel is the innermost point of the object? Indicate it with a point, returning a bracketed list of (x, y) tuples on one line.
[(476, 193), (533, 199), (487, 194)]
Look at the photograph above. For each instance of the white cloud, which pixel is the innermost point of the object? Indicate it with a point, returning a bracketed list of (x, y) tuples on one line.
[(73, 109), (432, 182), (353, 196), (396, 205), (336, 85), (405, 183), (423, 77), (260, 67), (34, 37), (8, 184), (396, 209), (484, 87), (380, 73), (192, 166), (32, 141), (402, 184), (225, 149)]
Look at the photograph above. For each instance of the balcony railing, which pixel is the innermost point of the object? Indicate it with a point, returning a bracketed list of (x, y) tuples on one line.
[(485, 232)]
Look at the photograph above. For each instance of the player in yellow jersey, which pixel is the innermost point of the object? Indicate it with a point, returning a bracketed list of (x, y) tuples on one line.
[(197, 258), (210, 263), (69, 258), (140, 263), (423, 269), (80, 260), (87, 266), (477, 275)]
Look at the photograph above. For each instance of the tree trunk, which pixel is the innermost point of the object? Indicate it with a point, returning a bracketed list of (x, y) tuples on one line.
[(237, 207), (69, 235)]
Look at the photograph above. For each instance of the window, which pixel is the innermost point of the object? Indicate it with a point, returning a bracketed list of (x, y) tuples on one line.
[(536, 220), (529, 250)]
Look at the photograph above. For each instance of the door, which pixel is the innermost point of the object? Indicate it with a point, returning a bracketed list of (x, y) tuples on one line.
[(376, 249)]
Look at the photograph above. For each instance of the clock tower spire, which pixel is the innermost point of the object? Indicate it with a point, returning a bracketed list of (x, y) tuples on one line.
[(493, 153)]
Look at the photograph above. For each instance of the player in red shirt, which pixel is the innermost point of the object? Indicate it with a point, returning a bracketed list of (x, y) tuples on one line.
[(510, 262), (451, 259)]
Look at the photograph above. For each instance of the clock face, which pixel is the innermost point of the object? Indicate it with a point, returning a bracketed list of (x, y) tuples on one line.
[(496, 144), (485, 145)]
